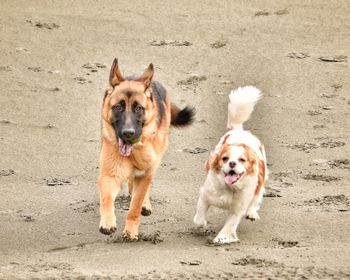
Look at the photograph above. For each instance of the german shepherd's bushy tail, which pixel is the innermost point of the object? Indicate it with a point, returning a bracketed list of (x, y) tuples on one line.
[(182, 118)]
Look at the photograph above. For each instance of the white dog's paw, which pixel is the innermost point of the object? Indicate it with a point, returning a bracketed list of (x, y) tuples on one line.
[(199, 221), (225, 239), (252, 215)]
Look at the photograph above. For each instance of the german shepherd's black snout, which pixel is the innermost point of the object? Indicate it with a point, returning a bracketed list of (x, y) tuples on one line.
[(128, 133), (128, 127)]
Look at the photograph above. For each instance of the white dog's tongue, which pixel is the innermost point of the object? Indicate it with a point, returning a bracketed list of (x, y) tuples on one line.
[(124, 149), (231, 179)]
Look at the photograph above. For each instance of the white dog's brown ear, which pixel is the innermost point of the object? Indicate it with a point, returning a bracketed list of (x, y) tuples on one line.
[(209, 161), (115, 77), (213, 162), (146, 77), (251, 161)]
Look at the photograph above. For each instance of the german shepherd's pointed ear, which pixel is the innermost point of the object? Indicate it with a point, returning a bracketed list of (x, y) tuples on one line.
[(146, 77), (115, 77)]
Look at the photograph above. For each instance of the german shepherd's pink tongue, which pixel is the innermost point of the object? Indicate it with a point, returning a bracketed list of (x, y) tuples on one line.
[(124, 149)]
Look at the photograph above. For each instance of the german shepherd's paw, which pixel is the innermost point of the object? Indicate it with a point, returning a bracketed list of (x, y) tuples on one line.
[(127, 236), (107, 231), (131, 231), (146, 211), (106, 228)]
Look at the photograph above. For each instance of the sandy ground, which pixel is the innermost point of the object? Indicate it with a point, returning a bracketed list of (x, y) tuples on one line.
[(54, 65)]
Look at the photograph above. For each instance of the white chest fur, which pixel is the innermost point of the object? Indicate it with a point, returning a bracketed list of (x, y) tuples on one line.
[(219, 195)]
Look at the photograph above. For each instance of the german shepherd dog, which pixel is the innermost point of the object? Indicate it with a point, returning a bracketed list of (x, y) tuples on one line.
[(136, 117)]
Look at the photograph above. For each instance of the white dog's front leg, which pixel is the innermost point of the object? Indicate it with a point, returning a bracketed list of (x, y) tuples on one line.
[(200, 219), (252, 212), (228, 234)]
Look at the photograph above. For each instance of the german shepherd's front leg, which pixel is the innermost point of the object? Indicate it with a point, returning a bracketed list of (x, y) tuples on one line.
[(146, 205), (140, 189), (109, 188)]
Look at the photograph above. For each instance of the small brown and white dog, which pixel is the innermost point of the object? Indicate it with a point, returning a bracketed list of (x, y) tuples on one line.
[(236, 169)]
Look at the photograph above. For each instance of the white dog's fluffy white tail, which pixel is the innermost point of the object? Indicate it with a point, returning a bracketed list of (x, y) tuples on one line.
[(241, 106)]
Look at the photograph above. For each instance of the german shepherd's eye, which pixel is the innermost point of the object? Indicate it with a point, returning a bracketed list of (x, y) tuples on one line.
[(138, 108), (225, 159), (118, 107)]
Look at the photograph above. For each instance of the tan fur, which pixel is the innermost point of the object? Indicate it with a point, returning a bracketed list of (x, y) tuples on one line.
[(146, 156)]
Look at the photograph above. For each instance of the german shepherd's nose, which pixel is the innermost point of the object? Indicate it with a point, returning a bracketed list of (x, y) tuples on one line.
[(128, 133)]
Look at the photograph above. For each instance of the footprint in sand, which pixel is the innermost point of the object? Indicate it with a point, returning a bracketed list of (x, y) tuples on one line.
[(339, 203)]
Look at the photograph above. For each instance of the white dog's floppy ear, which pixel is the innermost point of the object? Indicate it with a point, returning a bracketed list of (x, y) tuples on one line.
[(210, 160), (213, 162)]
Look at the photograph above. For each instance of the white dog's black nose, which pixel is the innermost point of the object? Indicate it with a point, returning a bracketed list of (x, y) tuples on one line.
[(232, 164)]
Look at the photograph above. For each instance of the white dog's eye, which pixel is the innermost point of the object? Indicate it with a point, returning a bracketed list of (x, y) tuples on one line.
[(224, 159), (242, 159)]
